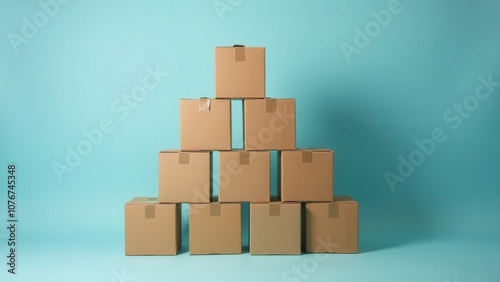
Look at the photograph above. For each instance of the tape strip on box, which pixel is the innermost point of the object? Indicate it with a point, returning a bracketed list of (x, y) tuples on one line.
[(214, 209), (333, 210), (274, 209), (149, 210), (307, 156), (244, 158), (239, 53), (183, 158), (204, 105), (270, 105)]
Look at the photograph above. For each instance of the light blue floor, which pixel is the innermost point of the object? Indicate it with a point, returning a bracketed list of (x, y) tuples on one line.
[(432, 259)]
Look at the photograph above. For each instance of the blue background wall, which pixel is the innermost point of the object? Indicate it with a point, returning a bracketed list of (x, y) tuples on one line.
[(397, 86)]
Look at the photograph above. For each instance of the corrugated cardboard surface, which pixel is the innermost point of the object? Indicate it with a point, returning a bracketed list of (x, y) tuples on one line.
[(275, 228), (240, 72), (202, 129), (332, 227), (244, 176), (215, 228), (184, 176), (269, 124), (152, 228), (307, 175)]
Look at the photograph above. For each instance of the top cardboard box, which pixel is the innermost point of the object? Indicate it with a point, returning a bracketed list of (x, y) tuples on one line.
[(240, 72), (205, 124)]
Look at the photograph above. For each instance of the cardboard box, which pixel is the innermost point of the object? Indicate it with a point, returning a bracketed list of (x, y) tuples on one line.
[(269, 124), (240, 72), (307, 175), (215, 228), (244, 176), (205, 124), (152, 228), (332, 227), (184, 177), (275, 228)]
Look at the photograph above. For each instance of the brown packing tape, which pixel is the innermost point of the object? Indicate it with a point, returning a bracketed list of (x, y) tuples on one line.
[(333, 210), (336, 242), (307, 156), (244, 158), (214, 209), (274, 209), (183, 158), (270, 105), (204, 105), (239, 54), (149, 210)]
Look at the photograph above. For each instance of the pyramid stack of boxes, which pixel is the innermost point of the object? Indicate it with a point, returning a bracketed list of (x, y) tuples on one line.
[(304, 216)]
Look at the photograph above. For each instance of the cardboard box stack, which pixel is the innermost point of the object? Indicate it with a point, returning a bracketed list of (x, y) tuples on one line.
[(153, 225)]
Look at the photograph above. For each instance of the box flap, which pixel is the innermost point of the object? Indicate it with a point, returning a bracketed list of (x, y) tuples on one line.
[(166, 151), (314, 149), (141, 201), (344, 200), (174, 151)]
